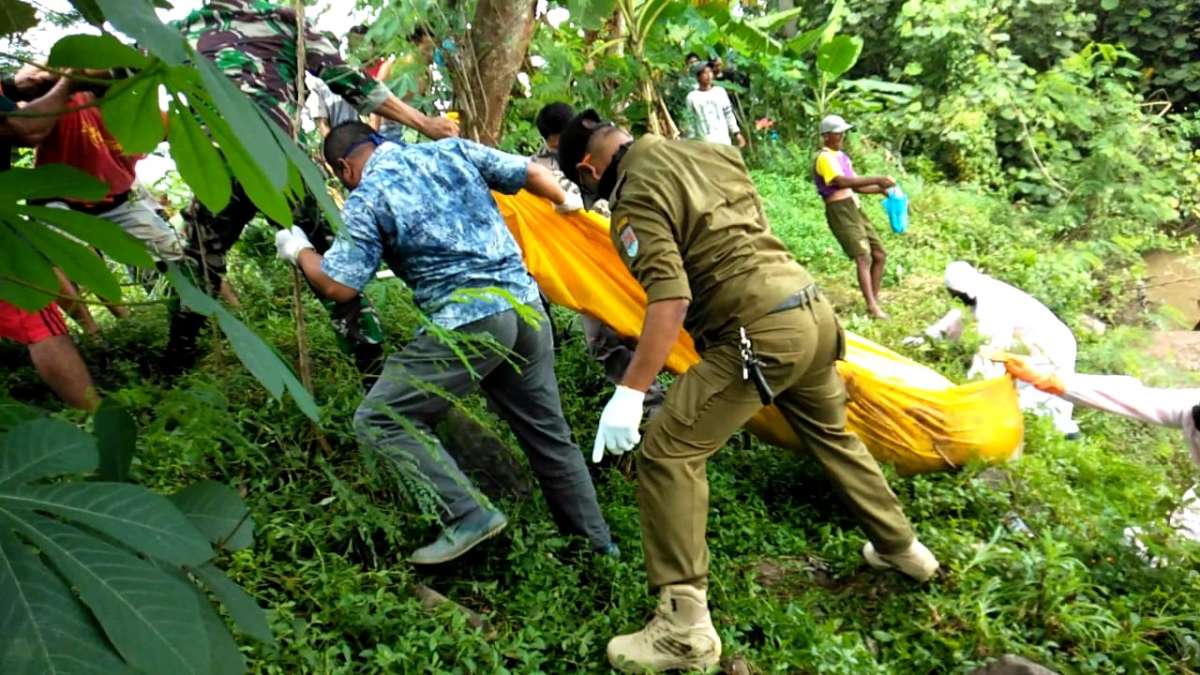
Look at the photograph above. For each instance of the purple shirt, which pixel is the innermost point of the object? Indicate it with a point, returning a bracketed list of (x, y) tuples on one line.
[(830, 165)]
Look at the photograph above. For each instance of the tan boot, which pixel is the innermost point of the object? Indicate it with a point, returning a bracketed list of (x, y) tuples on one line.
[(679, 637), (916, 561)]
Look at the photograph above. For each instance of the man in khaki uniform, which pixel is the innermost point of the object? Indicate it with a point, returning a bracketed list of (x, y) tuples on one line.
[(688, 222)]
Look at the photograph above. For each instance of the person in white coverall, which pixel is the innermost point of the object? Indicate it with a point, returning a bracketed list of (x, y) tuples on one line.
[(1128, 397), (1009, 319), (1119, 394)]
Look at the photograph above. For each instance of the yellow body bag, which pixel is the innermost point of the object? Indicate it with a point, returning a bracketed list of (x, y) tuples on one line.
[(906, 414)]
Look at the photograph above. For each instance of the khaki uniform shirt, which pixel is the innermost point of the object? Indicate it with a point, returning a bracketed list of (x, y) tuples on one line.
[(688, 223)]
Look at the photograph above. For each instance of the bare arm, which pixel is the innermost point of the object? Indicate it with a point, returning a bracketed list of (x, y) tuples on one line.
[(33, 130), (864, 184), (309, 262), (398, 111), (540, 181), (664, 319), (384, 74)]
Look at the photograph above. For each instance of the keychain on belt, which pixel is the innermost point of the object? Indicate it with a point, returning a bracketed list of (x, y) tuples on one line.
[(752, 370)]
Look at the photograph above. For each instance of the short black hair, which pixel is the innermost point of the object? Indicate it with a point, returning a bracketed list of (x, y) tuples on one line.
[(574, 140), (700, 67), (690, 56), (360, 29), (553, 118), (342, 137)]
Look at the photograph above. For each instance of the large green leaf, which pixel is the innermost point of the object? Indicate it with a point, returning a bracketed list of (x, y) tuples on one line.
[(89, 11), (224, 655), (839, 55), (94, 51), (13, 413), (149, 616), (116, 438), (882, 86), (51, 180), (776, 20), (44, 628), (591, 14), (79, 263), (136, 18), (142, 520), (198, 161), (262, 362), (271, 200), (245, 612), (43, 448), (103, 234), (805, 41), (314, 180), (121, 549), (131, 113), (218, 511), (191, 297), (28, 279), (266, 366), (648, 12), (247, 123), (16, 16)]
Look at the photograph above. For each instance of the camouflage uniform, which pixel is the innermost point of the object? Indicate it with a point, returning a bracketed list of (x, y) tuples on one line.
[(254, 43)]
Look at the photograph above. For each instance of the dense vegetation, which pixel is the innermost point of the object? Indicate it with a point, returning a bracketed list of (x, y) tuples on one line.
[(1041, 158)]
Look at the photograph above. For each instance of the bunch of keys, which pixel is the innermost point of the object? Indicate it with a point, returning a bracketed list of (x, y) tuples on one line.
[(752, 370)]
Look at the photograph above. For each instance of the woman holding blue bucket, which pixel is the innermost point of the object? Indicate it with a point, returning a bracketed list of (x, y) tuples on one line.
[(838, 185)]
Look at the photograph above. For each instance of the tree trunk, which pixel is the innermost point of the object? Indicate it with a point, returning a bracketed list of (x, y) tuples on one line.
[(495, 48)]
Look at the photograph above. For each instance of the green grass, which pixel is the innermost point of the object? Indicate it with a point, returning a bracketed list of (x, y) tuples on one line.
[(790, 592)]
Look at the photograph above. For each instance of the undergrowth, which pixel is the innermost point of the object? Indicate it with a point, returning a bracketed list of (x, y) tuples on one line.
[(789, 590)]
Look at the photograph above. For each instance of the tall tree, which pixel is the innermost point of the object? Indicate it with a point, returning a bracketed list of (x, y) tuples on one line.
[(495, 48)]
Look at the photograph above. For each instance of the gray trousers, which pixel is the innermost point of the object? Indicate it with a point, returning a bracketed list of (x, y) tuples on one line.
[(397, 415), (614, 353)]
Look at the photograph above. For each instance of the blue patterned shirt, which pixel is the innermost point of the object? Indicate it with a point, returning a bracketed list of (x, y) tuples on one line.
[(427, 211)]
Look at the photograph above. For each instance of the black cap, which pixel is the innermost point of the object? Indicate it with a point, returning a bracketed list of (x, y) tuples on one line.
[(573, 142)]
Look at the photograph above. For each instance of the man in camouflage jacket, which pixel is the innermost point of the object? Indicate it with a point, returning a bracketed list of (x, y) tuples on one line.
[(254, 43)]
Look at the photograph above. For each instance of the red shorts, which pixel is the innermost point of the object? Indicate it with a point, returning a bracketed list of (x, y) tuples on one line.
[(31, 327)]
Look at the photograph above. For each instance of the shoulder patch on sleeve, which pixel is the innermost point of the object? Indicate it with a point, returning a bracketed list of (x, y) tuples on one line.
[(629, 240)]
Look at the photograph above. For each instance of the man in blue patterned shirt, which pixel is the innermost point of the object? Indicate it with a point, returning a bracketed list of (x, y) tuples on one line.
[(427, 211)]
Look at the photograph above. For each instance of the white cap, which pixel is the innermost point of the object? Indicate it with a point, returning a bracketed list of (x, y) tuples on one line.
[(962, 277), (834, 124)]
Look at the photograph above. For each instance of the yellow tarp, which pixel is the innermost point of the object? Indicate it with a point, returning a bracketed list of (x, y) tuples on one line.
[(906, 414)]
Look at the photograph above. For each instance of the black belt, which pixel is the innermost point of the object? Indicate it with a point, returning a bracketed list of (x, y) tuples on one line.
[(801, 298)]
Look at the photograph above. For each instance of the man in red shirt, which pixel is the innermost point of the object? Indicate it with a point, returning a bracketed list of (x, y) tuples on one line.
[(44, 332), (80, 139)]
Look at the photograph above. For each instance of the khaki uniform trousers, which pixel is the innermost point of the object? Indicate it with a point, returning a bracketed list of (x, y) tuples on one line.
[(711, 401)]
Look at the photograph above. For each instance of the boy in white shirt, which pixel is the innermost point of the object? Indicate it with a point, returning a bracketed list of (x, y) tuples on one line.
[(712, 112)]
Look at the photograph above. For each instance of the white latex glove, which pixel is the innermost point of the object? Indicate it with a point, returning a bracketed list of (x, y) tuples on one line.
[(618, 431), (571, 204), (289, 243), (913, 341)]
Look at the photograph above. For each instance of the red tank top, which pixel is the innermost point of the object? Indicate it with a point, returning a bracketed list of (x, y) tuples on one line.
[(79, 139)]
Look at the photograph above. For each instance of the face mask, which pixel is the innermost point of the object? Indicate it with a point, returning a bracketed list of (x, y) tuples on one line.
[(608, 180)]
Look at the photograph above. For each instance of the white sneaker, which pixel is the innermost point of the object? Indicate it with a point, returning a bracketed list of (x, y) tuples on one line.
[(916, 561), (679, 637)]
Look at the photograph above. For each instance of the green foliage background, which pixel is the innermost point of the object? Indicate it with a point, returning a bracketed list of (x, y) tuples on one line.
[(790, 591), (1032, 138)]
